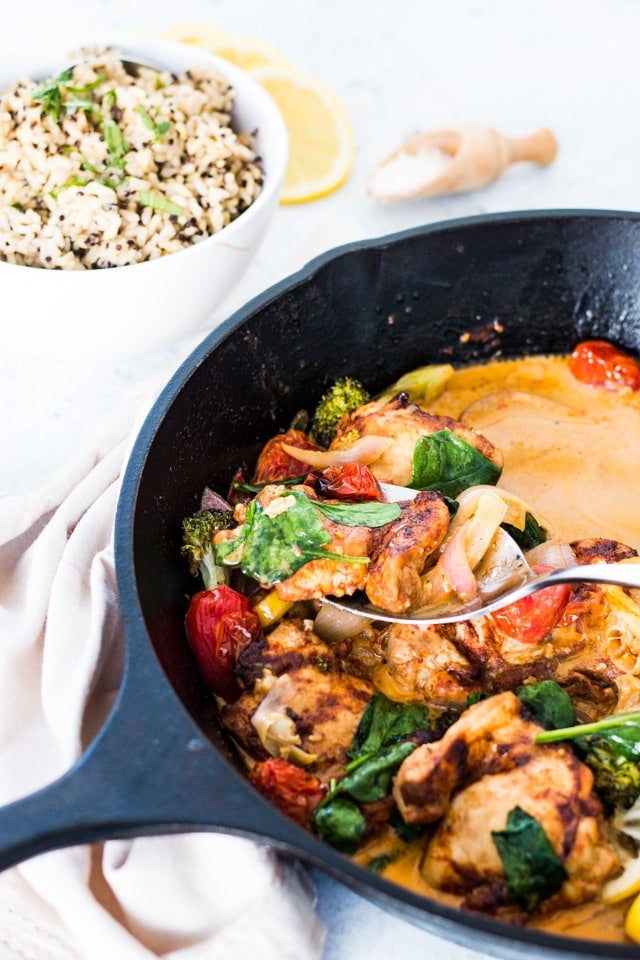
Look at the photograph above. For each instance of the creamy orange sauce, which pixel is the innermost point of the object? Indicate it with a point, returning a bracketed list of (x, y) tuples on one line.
[(572, 452)]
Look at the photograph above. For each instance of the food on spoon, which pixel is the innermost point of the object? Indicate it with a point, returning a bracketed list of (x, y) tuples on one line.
[(493, 763)]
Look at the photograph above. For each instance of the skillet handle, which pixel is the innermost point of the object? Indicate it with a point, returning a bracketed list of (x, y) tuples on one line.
[(150, 771)]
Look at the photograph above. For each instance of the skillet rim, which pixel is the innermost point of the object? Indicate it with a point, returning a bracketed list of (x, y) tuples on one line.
[(398, 900)]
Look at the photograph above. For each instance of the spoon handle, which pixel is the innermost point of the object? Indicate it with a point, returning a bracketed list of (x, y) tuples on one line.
[(539, 147)]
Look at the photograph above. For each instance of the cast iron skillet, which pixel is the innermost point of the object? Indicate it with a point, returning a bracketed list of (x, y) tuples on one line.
[(461, 291)]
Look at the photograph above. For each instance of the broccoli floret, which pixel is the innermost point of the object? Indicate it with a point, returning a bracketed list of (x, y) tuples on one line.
[(616, 779), (343, 397), (197, 545)]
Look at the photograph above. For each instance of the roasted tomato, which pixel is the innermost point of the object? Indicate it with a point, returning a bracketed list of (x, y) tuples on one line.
[(275, 464), (532, 618), (220, 624), (348, 481), (600, 364), (294, 791)]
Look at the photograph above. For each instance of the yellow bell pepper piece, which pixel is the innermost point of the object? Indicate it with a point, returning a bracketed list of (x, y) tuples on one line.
[(271, 608)]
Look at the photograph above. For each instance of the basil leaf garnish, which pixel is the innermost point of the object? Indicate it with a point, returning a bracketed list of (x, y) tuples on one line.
[(371, 513), (271, 548), (445, 462)]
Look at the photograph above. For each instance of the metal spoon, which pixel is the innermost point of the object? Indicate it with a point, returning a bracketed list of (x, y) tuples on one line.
[(503, 577)]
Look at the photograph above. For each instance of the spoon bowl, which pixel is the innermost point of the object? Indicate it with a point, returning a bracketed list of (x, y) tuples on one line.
[(453, 611)]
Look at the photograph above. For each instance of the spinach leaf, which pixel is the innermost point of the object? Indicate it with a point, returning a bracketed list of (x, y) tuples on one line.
[(444, 461), (369, 778), (378, 752), (532, 868), (549, 703), (385, 721), (340, 822), (532, 535), (621, 730), (270, 548), (368, 514), (378, 864)]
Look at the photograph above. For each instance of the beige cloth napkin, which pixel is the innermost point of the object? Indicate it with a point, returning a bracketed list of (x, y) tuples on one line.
[(191, 896), (61, 647)]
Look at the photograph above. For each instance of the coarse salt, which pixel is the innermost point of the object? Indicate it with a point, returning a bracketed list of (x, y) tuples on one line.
[(407, 172)]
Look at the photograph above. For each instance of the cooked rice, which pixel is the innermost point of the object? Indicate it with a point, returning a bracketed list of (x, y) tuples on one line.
[(110, 169)]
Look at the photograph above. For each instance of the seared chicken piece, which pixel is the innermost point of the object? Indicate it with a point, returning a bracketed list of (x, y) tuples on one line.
[(335, 578), (299, 704), (600, 550), (593, 652), (399, 557), (424, 664), (405, 423), (555, 788), (486, 764), (491, 736)]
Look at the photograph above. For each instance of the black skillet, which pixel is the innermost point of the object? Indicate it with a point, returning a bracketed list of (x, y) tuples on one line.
[(462, 291)]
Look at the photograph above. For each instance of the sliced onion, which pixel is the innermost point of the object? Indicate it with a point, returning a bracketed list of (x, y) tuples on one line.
[(517, 509), (365, 450), (555, 554), (456, 569), (470, 536), (333, 625)]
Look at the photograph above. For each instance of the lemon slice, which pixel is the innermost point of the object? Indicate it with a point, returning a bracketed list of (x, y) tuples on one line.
[(249, 54), (195, 34), (624, 886), (320, 136), (632, 921), (244, 52)]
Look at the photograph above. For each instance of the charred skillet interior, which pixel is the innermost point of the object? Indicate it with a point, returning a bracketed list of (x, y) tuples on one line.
[(460, 292)]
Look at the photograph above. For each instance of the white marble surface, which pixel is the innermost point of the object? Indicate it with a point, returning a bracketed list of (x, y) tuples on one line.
[(399, 68)]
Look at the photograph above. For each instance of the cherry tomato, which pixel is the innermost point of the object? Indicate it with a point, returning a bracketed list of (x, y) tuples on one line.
[(531, 619), (220, 623), (294, 791), (348, 481), (600, 364), (274, 464)]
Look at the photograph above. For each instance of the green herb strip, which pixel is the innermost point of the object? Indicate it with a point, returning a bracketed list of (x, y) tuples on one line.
[(158, 202), (532, 869), (445, 462), (159, 130), (50, 95), (116, 144), (621, 730)]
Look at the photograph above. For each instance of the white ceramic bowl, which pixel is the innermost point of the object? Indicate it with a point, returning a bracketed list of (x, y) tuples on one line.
[(121, 312)]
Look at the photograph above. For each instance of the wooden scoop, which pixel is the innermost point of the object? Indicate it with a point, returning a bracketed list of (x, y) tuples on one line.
[(452, 161)]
